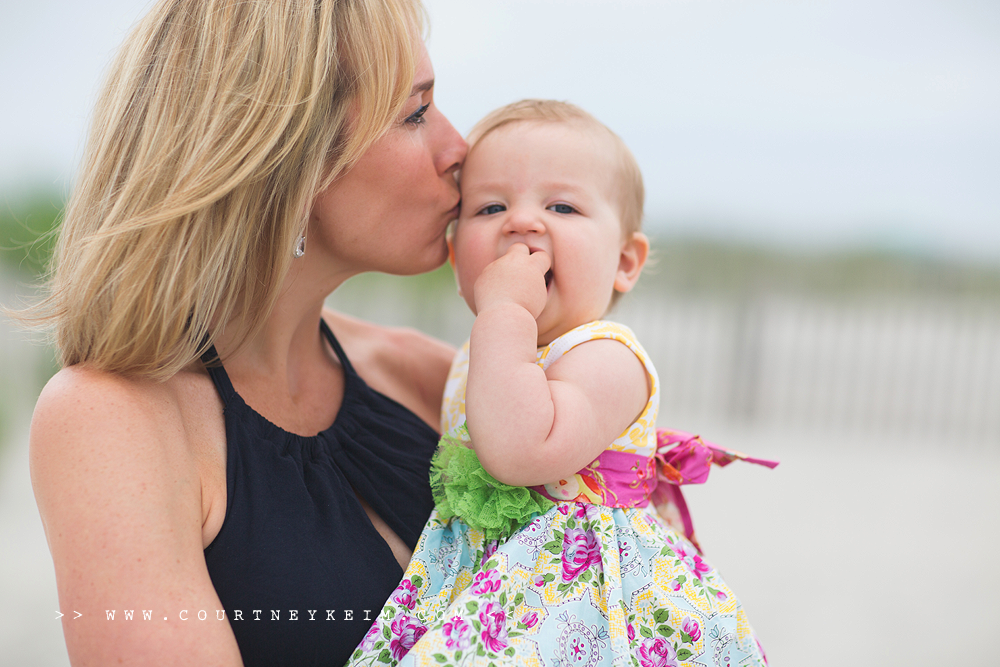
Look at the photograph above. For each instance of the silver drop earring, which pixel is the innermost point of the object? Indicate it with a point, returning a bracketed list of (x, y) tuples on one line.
[(300, 247)]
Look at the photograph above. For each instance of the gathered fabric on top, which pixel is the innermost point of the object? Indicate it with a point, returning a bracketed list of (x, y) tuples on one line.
[(296, 549)]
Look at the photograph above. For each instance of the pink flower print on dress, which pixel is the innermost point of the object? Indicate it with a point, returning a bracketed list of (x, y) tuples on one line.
[(486, 582), (458, 633), (373, 634), (494, 634), (691, 561), (406, 594), (657, 653), (491, 549), (631, 632), (624, 548), (581, 510), (691, 628), (581, 549), (719, 595), (675, 584), (644, 470), (588, 511), (530, 619), (700, 567), (406, 631)]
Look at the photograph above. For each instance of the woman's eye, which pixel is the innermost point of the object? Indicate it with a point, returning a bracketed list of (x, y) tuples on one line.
[(492, 209), (562, 208), (417, 117)]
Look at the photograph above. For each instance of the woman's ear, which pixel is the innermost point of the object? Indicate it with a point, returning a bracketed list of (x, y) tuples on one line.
[(633, 257)]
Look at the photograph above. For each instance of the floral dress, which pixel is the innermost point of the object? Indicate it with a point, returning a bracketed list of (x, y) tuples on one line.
[(580, 572)]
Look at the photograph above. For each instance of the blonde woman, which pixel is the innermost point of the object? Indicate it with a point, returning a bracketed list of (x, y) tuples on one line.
[(228, 473)]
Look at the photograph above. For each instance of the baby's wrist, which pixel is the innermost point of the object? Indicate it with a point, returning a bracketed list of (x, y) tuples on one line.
[(503, 307)]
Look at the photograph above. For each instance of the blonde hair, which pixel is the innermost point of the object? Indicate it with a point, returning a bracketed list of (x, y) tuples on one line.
[(631, 192), (218, 123)]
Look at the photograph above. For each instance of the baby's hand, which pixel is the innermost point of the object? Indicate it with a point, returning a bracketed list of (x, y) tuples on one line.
[(516, 277)]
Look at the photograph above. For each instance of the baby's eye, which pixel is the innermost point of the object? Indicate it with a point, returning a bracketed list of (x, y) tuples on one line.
[(562, 208), (491, 209)]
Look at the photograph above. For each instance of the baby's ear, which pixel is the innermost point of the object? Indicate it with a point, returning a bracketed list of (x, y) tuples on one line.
[(633, 256)]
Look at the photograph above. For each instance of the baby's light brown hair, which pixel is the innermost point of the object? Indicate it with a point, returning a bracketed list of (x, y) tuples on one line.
[(631, 193)]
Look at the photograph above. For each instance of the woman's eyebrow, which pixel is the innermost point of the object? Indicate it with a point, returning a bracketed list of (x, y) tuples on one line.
[(422, 87)]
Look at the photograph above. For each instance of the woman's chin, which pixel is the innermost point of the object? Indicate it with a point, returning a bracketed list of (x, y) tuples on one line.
[(432, 258)]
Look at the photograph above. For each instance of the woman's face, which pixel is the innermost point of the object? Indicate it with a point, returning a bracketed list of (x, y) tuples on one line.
[(389, 212)]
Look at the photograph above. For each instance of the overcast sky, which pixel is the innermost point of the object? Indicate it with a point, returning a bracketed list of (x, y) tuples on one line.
[(806, 122)]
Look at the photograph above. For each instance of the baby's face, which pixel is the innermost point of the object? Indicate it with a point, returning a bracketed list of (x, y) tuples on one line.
[(549, 186)]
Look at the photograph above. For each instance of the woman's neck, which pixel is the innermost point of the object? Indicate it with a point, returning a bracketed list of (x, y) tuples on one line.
[(289, 343)]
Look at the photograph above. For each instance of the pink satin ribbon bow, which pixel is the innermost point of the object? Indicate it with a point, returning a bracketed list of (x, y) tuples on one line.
[(683, 458)]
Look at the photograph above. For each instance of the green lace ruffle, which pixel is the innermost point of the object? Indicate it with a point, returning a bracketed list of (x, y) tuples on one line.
[(463, 489)]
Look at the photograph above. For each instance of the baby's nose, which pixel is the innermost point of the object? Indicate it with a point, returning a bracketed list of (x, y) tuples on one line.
[(524, 222)]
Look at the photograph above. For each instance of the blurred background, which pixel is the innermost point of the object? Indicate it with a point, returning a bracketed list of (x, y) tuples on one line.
[(823, 185)]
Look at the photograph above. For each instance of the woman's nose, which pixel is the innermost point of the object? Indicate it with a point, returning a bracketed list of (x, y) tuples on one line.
[(452, 149)]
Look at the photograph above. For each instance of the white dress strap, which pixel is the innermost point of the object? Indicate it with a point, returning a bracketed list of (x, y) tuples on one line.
[(639, 437), (453, 403)]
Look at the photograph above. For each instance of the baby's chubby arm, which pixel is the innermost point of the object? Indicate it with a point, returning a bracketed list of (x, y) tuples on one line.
[(531, 426)]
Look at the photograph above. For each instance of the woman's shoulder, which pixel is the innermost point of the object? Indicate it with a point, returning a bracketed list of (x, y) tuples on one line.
[(402, 363), (392, 349), (385, 343), (131, 433), (84, 395), (99, 415)]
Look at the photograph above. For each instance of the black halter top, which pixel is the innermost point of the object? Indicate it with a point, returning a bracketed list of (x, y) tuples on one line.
[(297, 564)]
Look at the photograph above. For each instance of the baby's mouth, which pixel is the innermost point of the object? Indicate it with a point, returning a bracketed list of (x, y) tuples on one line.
[(548, 278)]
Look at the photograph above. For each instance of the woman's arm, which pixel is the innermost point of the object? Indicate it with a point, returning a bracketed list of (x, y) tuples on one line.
[(532, 426), (120, 495)]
